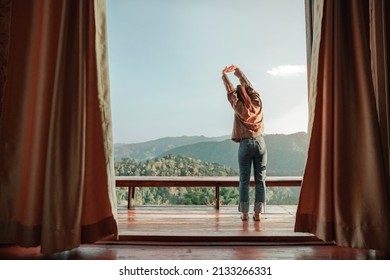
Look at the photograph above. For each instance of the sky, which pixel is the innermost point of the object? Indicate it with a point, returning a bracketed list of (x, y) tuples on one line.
[(166, 58)]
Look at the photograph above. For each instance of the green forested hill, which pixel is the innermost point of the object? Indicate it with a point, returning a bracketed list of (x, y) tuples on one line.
[(223, 152), (171, 165), (175, 166), (286, 153)]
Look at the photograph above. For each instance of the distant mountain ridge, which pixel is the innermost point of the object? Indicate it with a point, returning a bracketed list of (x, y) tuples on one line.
[(286, 153), (151, 149)]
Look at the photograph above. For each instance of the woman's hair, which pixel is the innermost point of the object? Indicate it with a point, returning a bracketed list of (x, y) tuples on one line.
[(239, 93), (243, 96)]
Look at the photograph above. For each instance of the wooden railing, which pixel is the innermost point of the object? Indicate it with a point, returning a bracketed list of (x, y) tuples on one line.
[(131, 182)]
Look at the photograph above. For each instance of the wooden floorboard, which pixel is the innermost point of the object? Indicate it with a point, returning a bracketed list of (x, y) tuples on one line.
[(207, 224)]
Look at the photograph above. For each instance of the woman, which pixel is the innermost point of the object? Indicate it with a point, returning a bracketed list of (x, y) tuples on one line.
[(247, 130)]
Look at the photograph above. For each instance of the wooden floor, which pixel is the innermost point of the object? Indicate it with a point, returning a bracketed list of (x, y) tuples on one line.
[(203, 233), (207, 224)]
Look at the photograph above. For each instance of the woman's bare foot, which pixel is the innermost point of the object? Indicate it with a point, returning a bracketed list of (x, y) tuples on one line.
[(257, 216)]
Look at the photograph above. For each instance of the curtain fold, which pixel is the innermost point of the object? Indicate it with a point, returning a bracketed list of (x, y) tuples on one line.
[(5, 23), (345, 189), (56, 183), (380, 61)]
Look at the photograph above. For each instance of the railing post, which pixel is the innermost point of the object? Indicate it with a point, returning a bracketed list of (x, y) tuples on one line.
[(129, 193), (217, 200), (130, 196)]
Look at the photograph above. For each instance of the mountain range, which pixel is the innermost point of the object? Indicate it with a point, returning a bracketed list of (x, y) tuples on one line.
[(286, 153), (151, 149)]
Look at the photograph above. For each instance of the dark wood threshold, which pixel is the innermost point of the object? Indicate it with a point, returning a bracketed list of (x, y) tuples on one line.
[(214, 241)]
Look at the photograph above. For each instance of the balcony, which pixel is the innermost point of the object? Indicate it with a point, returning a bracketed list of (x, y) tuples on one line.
[(210, 224)]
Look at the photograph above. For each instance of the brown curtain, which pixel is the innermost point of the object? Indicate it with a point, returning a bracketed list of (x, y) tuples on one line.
[(56, 168), (345, 196), (380, 63)]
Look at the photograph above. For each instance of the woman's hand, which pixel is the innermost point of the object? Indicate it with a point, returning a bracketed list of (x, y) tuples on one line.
[(225, 70), (231, 68)]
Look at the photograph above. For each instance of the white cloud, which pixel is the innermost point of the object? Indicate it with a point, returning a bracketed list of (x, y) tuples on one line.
[(288, 71)]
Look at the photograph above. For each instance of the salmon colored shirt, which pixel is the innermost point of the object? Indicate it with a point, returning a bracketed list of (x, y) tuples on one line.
[(247, 123)]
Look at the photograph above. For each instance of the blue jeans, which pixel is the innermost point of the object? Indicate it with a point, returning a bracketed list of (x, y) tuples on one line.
[(252, 150)]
